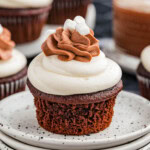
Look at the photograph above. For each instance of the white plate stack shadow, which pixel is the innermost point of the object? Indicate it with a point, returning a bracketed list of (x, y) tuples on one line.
[(129, 129)]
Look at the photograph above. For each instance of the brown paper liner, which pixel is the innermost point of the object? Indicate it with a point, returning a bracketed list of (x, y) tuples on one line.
[(131, 29), (24, 24), (144, 84), (69, 119), (12, 87), (13, 84), (67, 9), (75, 114), (130, 15), (141, 32)]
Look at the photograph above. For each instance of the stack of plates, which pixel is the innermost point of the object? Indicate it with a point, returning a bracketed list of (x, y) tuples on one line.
[(129, 129)]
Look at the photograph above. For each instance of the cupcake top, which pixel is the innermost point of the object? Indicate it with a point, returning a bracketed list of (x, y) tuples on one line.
[(11, 61), (24, 3), (136, 5), (72, 63), (145, 58)]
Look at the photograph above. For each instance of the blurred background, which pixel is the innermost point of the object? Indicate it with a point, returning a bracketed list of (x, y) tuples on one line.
[(103, 29), (28, 27)]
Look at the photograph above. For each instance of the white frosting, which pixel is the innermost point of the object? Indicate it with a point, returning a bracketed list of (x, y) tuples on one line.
[(13, 65), (83, 29), (24, 3), (79, 20), (1, 29), (53, 76), (145, 58), (69, 24), (77, 24), (137, 5)]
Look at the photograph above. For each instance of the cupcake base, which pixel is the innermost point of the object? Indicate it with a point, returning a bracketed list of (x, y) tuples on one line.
[(25, 24), (143, 77), (75, 114), (13, 84)]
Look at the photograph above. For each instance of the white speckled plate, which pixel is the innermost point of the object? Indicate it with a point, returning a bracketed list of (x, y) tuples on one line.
[(147, 147), (141, 142), (135, 145), (4, 146), (33, 48), (16, 144), (131, 120), (127, 62)]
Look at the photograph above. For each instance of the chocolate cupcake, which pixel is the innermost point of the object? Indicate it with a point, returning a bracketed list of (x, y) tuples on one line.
[(24, 18), (68, 10), (13, 69), (143, 73), (131, 25), (75, 86)]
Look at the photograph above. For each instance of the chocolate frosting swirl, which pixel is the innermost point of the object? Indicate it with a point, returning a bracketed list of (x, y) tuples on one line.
[(69, 45), (6, 45)]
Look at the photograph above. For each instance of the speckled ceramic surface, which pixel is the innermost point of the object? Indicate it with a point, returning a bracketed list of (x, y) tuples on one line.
[(21, 146), (147, 147), (127, 62), (135, 145), (16, 144), (4, 146), (131, 120), (33, 48)]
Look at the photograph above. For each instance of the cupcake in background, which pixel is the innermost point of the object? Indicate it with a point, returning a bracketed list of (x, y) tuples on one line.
[(67, 9), (13, 69), (143, 73), (74, 85), (24, 18), (131, 25)]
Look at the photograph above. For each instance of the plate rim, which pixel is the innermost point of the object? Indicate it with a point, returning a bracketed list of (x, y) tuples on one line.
[(12, 132), (6, 146), (147, 136), (8, 138)]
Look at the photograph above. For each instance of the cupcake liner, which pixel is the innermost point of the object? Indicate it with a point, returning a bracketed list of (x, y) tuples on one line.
[(131, 45), (130, 15), (144, 84), (26, 24), (67, 9), (143, 27), (78, 114), (74, 119), (12, 87), (131, 31)]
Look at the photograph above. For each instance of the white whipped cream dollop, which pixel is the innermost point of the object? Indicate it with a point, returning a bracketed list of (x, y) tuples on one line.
[(145, 58), (53, 76), (1, 29), (137, 5), (12, 66), (24, 3), (77, 24)]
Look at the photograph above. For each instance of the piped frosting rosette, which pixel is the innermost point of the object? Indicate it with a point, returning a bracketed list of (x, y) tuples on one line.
[(11, 60), (6, 45), (72, 63)]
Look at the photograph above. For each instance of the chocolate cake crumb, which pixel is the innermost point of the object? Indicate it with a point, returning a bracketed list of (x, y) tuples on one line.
[(88, 116)]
